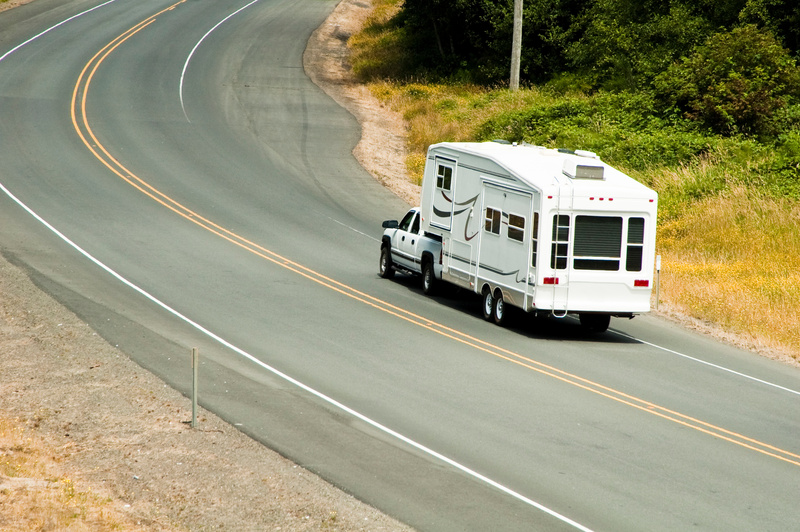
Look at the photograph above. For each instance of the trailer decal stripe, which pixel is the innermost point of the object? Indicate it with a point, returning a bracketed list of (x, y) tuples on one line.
[(470, 201)]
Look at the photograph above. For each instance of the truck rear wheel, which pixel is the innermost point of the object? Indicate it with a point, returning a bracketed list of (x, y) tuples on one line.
[(428, 278), (488, 304), (385, 268)]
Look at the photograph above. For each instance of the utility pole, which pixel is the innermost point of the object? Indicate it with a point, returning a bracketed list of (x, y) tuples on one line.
[(516, 46)]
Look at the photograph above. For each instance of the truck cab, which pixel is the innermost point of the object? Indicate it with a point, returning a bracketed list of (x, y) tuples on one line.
[(406, 247)]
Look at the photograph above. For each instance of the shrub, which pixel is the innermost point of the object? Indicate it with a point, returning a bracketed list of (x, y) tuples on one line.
[(733, 84), (622, 128)]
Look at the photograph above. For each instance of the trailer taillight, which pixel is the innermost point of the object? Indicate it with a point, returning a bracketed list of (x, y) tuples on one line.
[(641, 283), (550, 280)]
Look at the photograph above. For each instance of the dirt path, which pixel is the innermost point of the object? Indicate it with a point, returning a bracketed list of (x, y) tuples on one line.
[(99, 435)]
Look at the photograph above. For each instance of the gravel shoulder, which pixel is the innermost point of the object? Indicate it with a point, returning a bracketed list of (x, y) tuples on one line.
[(106, 429)]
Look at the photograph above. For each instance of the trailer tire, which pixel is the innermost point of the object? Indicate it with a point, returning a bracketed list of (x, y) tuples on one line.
[(595, 323), (385, 267), (488, 304), (499, 311), (428, 278)]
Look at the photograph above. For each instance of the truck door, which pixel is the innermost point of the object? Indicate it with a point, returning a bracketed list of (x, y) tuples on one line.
[(409, 241), (444, 193), (404, 245)]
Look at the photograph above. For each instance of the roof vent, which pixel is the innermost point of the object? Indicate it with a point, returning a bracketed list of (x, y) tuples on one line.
[(586, 153), (582, 171)]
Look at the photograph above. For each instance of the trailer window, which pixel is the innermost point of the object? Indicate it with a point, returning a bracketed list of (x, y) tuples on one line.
[(516, 227), (493, 217), (534, 238), (633, 262), (444, 177), (560, 248), (598, 242)]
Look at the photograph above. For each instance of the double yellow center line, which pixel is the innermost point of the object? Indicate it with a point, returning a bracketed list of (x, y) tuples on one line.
[(80, 121)]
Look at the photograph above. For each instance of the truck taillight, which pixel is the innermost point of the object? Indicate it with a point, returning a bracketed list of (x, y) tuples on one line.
[(550, 280), (441, 254), (641, 283)]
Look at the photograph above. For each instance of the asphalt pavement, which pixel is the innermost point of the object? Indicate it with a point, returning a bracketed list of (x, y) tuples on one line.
[(172, 176)]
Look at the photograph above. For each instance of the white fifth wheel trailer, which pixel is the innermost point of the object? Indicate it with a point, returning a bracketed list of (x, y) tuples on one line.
[(548, 231)]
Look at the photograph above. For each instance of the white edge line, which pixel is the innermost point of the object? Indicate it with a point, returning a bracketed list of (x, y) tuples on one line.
[(711, 364), (294, 381), (51, 28), (196, 46)]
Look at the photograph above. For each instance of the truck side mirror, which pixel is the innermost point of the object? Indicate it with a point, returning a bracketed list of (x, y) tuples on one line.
[(390, 224)]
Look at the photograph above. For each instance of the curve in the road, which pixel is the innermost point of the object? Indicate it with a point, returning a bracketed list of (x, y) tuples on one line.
[(81, 123), (452, 336)]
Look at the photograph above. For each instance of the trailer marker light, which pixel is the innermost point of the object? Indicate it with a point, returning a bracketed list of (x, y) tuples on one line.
[(550, 280), (641, 283)]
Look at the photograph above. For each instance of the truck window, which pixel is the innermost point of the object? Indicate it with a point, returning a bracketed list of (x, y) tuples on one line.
[(406, 222), (516, 227), (492, 224), (633, 262), (415, 225), (560, 248)]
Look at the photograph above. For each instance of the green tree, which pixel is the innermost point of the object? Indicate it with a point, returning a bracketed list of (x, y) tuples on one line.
[(623, 44), (781, 17), (473, 37), (734, 83)]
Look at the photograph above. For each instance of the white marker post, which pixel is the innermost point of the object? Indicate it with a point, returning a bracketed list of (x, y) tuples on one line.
[(195, 368), (658, 278)]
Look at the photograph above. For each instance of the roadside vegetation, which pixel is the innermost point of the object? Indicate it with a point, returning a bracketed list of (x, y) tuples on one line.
[(699, 102), (37, 494)]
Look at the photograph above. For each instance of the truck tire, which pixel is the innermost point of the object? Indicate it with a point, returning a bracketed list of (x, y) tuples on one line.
[(499, 311), (595, 323), (385, 267), (428, 278), (488, 304)]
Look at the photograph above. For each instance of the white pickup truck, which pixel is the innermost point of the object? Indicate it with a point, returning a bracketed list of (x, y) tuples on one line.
[(405, 246)]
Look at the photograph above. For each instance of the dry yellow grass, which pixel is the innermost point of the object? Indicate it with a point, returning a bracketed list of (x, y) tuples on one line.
[(733, 260), (37, 494), (443, 113)]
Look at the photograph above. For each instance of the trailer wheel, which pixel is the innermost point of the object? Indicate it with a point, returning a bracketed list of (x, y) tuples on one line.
[(385, 268), (499, 313), (488, 304), (595, 323), (428, 278)]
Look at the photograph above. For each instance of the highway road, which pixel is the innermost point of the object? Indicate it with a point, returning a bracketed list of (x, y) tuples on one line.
[(171, 175)]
